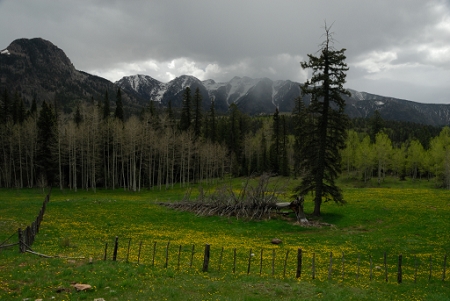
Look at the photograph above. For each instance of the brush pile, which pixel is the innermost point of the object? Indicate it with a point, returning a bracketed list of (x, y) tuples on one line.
[(250, 202)]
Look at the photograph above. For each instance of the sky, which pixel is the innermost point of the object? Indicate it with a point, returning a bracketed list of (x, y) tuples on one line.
[(396, 48)]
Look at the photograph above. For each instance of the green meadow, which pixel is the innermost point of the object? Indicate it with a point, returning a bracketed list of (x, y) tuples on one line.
[(161, 250)]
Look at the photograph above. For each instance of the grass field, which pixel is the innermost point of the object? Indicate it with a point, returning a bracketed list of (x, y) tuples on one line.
[(408, 218)]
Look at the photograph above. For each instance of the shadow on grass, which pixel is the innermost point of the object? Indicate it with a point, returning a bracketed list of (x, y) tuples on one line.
[(327, 217)]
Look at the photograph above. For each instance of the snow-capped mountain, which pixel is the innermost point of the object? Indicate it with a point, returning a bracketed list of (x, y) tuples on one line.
[(262, 95), (253, 96)]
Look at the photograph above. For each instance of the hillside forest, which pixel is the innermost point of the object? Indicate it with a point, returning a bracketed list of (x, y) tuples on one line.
[(97, 146)]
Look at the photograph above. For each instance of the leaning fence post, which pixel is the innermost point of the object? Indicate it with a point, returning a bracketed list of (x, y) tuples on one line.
[(116, 246), (299, 264), (206, 258), (399, 273), (19, 232)]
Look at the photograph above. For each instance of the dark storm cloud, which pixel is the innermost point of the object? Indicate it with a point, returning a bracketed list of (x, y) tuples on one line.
[(394, 47)]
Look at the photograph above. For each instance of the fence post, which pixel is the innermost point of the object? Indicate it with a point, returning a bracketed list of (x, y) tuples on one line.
[(116, 246), (139, 253), (206, 258), (299, 264), (20, 235), (399, 273), (166, 264), (128, 250), (249, 261), (106, 250)]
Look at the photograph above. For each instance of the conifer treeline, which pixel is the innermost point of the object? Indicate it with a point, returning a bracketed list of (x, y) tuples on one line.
[(96, 147)]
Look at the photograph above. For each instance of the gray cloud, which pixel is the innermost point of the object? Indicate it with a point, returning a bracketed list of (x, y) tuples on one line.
[(394, 47)]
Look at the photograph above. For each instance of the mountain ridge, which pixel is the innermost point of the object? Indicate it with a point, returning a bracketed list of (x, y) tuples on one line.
[(35, 66), (263, 95)]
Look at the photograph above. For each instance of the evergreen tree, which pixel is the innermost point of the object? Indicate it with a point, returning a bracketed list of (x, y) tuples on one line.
[(299, 115), (263, 165), (106, 109), (276, 143), (376, 125), (185, 119), (326, 128), (77, 117), (33, 108), (170, 115), (118, 113), (46, 144), (212, 123), (197, 113), (284, 162), (18, 109), (6, 107)]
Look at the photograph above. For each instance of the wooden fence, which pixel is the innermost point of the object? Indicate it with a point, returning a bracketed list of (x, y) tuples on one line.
[(27, 235), (290, 263)]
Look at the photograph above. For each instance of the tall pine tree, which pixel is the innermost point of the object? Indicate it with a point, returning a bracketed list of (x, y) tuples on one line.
[(118, 113), (106, 109), (46, 153), (197, 113), (325, 127), (185, 119)]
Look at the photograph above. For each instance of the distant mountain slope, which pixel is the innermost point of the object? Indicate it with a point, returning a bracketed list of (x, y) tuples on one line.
[(262, 96), (37, 67)]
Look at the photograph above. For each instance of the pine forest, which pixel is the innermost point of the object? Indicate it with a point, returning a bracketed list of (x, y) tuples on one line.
[(100, 145)]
